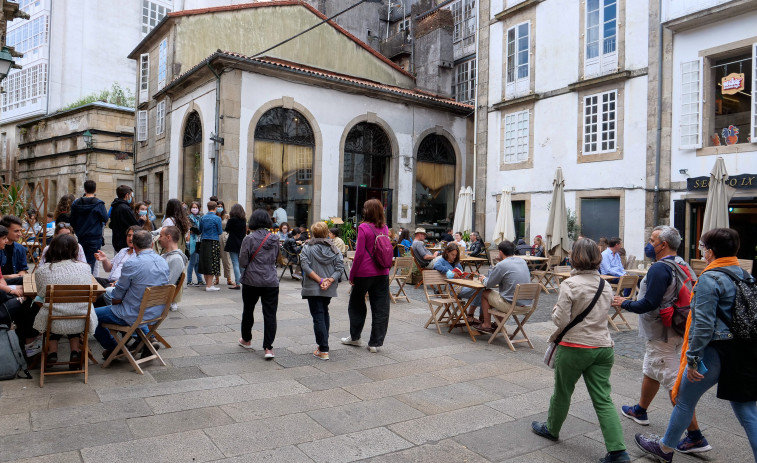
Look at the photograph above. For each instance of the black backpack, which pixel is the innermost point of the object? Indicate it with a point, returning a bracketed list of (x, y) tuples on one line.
[(11, 358), (743, 323)]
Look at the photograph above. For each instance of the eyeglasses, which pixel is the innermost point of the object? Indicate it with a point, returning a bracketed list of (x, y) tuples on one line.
[(64, 224)]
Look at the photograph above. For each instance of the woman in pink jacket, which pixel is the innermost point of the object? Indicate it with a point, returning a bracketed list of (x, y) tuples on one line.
[(368, 277)]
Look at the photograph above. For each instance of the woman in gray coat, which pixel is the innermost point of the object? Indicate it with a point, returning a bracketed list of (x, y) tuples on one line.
[(322, 265)]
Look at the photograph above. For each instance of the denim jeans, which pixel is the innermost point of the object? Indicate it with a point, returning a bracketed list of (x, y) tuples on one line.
[(90, 248), (103, 336), (194, 261), (377, 288), (319, 310), (234, 256), (689, 394), (269, 297)]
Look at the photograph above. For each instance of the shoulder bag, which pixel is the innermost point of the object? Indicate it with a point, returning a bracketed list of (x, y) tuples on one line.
[(549, 356)]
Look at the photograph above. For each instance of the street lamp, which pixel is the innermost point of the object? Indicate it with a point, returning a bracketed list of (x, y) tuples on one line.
[(88, 139), (6, 61)]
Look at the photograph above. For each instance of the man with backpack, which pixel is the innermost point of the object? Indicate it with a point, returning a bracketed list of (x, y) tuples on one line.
[(659, 295)]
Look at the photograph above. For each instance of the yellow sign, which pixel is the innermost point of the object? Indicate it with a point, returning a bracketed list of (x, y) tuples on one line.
[(732, 83)]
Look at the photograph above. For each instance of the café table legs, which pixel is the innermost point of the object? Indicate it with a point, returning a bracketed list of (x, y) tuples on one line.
[(463, 309)]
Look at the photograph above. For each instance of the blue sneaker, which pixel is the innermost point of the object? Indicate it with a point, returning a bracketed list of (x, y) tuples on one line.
[(651, 446), (620, 457), (541, 429), (635, 413), (688, 445)]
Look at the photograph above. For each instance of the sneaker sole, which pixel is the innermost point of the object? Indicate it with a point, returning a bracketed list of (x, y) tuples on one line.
[(646, 452), (352, 343), (637, 420), (320, 358), (246, 347), (706, 448)]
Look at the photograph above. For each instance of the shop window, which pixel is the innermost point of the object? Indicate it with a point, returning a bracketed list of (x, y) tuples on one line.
[(435, 182), (282, 171), (367, 158)]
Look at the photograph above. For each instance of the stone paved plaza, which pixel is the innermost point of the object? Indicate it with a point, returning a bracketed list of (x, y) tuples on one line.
[(423, 397)]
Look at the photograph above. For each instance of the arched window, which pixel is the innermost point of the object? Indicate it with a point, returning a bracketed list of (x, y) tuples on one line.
[(282, 170), (435, 181), (367, 156), (192, 159)]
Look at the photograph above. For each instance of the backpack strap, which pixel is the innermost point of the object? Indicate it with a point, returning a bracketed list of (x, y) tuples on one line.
[(735, 278)]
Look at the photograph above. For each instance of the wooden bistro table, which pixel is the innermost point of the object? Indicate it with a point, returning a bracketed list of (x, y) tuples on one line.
[(473, 262), (463, 307), (30, 286), (533, 261), (640, 272)]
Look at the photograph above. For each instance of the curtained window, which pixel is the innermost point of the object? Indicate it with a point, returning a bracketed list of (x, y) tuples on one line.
[(435, 180)]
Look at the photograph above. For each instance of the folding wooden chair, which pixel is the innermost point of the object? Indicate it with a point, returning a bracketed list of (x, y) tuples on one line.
[(544, 276), (67, 294), (560, 269), (400, 272), (493, 257), (625, 282), (402, 250), (420, 269), (289, 261), (155, 295), (179, 286), (698, 265), (440, 302), (523, 291)]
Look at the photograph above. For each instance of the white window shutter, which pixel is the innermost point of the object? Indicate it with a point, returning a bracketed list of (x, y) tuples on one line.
[(754, 93), (690, 119), (142, 126)]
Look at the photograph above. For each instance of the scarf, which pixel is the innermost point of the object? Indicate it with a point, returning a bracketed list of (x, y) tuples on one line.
[(721, 262)]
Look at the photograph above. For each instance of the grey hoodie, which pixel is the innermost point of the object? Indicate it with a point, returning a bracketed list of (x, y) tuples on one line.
[(319, 255), (260, 271), (177, 263)]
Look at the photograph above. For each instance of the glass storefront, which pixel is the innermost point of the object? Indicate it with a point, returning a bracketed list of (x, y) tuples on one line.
[(367, 157), (435, 184), (282, 170)]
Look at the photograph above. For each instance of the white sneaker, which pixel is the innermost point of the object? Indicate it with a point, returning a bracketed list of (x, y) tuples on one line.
[(174, 307), (34, 347), (212, 288), (372, 349), (269, 354), (348, 341)]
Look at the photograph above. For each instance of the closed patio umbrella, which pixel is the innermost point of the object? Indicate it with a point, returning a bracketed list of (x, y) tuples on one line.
[(466, 221), (459, 211), (718, 197), (504, 229), (557, 224)]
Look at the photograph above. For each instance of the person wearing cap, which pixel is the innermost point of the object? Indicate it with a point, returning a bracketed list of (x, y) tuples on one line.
[(422, 255), (538, 248)]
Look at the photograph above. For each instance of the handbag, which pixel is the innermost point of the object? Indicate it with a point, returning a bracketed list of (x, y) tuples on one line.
[(549, 355), (257, 250)]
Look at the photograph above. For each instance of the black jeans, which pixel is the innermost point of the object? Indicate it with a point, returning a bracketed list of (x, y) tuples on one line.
[(22, 313), (269, 297), (377, 288), (319, 310)]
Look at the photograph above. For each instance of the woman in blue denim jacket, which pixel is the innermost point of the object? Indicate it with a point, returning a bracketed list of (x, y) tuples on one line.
[(714, 356), (446, 265)]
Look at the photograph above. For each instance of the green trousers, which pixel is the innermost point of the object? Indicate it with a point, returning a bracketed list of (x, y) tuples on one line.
[(594, 365)]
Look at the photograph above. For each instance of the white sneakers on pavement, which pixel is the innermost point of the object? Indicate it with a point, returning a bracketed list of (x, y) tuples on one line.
[(348, 341), (212, 288)]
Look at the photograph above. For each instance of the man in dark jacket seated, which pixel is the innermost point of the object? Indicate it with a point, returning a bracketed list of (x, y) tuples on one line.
[(476, 246), (522, 248)]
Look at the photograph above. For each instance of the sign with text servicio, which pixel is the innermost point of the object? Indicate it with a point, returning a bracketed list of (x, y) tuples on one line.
[(740, 182), (732, 83)]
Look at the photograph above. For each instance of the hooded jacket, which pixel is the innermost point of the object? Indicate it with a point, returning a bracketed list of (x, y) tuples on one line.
[(260, 271), (177, 262), (88, 215), (121, 218), (319, 255)]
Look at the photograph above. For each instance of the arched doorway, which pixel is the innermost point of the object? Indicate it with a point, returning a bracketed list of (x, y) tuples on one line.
[(365, 175), (191, 179), (282, 168), (435, 183)]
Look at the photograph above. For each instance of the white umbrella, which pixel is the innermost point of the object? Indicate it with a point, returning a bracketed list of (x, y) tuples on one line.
[(557, 224), (718, 197), (459, 211), (466, 221), (504, 229)]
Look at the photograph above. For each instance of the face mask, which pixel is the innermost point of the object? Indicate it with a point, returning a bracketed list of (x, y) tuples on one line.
[(142, 212), (195, 211), (129, 199), (649, 251), (220, 209)]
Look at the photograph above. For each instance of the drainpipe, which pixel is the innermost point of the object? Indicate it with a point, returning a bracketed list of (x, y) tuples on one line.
[(658, 141), (216, 147), (475, 121)]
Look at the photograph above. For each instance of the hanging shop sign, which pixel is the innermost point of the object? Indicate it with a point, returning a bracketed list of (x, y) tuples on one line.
[(732, 83), (740, 182)]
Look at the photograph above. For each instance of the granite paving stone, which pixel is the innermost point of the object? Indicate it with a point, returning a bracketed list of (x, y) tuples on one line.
[(331, 380), (66, 457), (446, 398), (14, 423), (286, 454), (169, 423), (449, 424), (413, 367), (173, 387), (192, 446), (276, 406), (394, 386), (354, 446), (435, 452), (94, 413), (359, 416)]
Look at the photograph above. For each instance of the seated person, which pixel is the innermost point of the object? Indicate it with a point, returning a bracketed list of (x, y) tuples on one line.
[(538, 248), (405, 239), (304, 235), (175, 257), (449, 261), (64, 229), (476, 248), (292, 249), (509, 272), (422, 255), (13, 254), (338, 242), (63, 266), (18, 308), (522, 249), (50, 226), (144, 270), (115, 266), (31, 226), (611, 263), (447, 236), (459, 240), (283, 231)]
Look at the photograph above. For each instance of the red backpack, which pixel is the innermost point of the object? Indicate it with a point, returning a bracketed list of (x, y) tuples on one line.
[(383, 251), (675, 315)]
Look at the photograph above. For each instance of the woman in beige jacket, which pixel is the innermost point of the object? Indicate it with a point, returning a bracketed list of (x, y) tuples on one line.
[(585, 350)]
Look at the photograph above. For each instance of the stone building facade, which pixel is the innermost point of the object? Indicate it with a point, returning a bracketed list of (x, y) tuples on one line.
[(54, 148)]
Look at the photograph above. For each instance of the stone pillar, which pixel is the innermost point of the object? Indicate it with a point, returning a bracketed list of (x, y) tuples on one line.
[(228, 162)]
